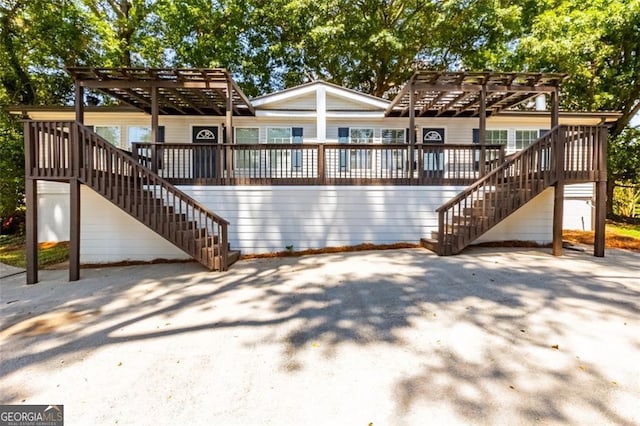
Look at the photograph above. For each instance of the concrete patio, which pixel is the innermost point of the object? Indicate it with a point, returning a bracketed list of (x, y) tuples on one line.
[(401, 337)]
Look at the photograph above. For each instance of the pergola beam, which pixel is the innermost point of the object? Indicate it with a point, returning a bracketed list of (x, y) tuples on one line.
[(134, 86), (503, 89)]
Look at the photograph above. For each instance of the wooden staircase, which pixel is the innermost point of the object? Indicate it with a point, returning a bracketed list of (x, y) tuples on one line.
[(69, 150), (566, 152)]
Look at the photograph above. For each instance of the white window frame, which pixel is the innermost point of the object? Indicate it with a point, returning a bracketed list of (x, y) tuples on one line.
[(394, 159), (266, 139), (361, 160), (404, 135), (506, 140), (515, 137), (280, 159), (252, 160)]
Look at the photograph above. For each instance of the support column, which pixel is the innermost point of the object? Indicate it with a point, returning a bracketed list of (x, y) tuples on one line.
[(229, 129), (558, 196), (79, 103), (154, 114), (601, 194), (31, 198), (155, 152), (483, 130), (555, 108), (74, 230), (31, 201), (74, 187), (412, 129), (321, 114)]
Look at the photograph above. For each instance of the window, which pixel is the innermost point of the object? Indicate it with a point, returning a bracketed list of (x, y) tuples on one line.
[(247, 158), (247, 135), (138, 134), (394, 159), (361, 158), (395, 136), (279, 159), (111, 134), (279, 135), (497, 137), (360, 135), (524, 138)]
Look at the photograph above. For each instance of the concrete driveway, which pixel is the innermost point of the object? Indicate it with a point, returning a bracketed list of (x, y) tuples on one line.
[(402, 337)]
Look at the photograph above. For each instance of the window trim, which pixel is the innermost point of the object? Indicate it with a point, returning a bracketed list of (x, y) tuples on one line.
[(373, 134), (266, 138), (235, 133), (515, 137), (404, 135)]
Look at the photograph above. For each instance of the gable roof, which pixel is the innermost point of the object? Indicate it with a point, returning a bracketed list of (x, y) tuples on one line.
[(368, 101)]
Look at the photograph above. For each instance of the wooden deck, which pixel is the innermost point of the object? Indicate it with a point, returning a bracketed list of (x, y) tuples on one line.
[(143, 183)]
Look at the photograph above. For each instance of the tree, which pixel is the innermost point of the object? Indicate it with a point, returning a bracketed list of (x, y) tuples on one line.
[(596, 42), (375, 45)]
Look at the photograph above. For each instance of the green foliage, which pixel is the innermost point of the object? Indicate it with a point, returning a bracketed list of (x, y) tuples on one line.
[(11, 166), (626, 200), (368, 45), (624, 156), (597, 43), (624, 172), (13, 252)]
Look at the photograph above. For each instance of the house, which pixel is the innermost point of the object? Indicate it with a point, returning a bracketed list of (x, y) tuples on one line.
[(188, 166)]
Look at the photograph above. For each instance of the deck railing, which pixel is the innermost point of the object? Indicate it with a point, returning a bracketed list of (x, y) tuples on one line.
[(570, 152), (319, 163), (69, 150)]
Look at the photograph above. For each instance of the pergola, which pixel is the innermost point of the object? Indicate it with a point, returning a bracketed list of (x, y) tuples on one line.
[(471, 94), (166, 91)]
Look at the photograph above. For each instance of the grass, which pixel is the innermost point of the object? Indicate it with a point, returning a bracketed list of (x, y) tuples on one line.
[(617, 235), (625, 229), (13, 252)]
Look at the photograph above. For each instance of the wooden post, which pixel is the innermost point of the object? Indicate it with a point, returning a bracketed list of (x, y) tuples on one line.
[(412, 129), (483, 130), (74, 186), (154, 114), (555, 108), (229, 128), (321, 166), (601, 194), (558, 198), (31, 201), (74, 230), (155, 152), (79, 103)]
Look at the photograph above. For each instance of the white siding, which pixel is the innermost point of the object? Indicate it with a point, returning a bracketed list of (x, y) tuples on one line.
[(532, 222), (110, 235), (579, 207), (339, 103), (53, 211), (266, 219), (304, 102)]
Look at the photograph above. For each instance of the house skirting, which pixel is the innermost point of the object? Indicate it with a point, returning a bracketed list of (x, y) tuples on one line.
[(272, 218)]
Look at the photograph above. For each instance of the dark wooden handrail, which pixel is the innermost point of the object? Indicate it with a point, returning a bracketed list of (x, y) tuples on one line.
[(69, 150), (517, 180), (320, 163)]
